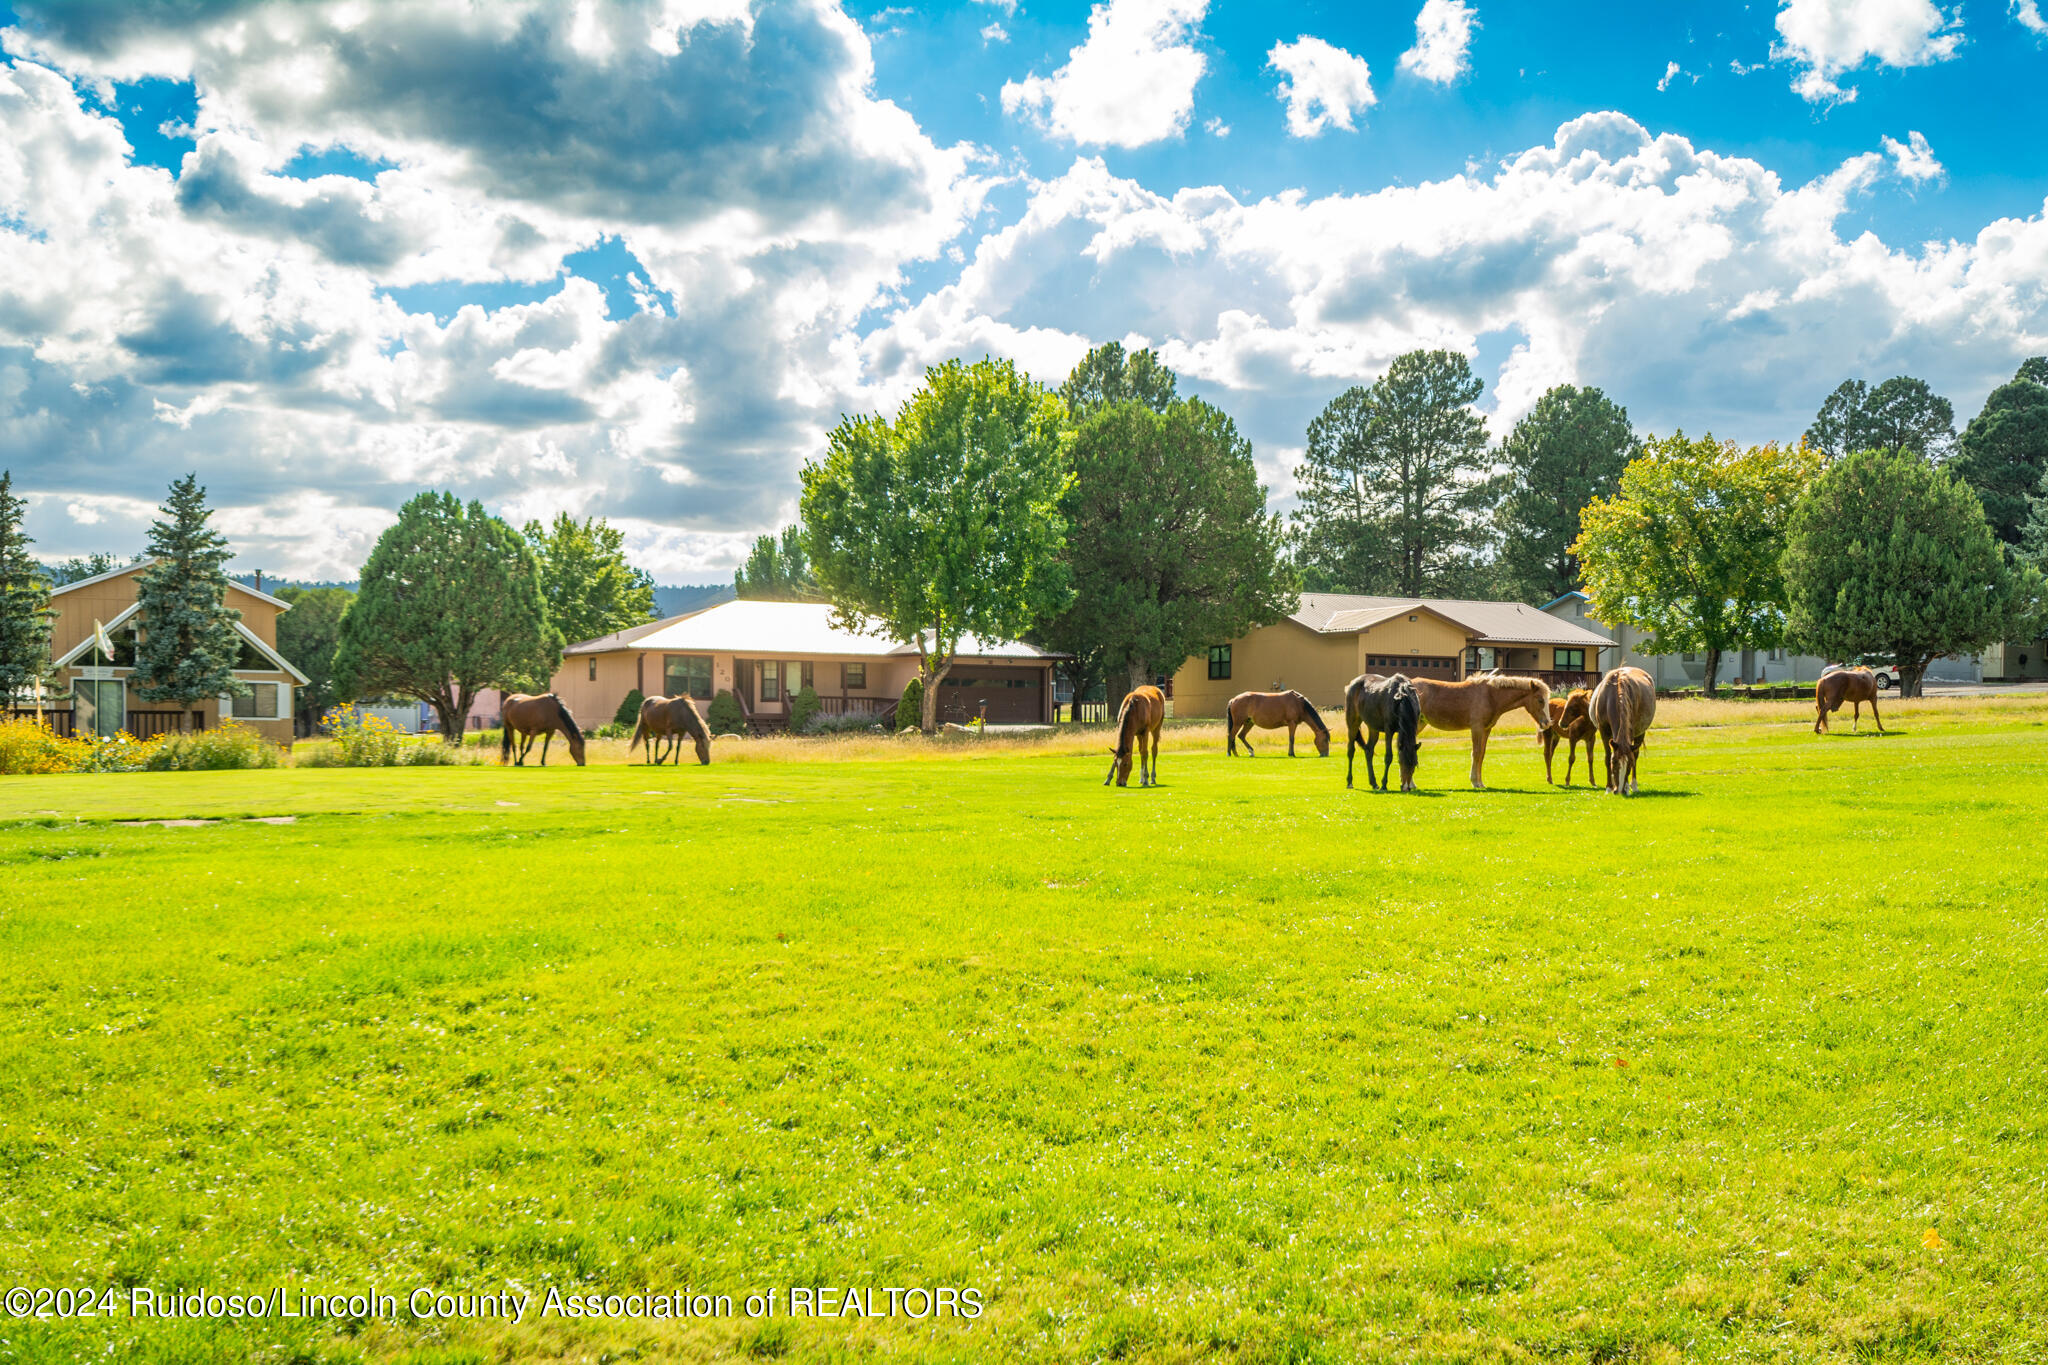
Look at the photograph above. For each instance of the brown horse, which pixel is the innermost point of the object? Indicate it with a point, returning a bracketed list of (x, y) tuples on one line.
[(665, 719), (1382, 706), (1137, 723), (1570, 722), (542, 717), (1274, 711), (1853, 685), (1623, 705), (1475, 704)]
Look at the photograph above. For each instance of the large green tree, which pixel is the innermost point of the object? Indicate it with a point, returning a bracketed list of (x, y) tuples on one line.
[(25, 614), (1569, 450), (1688, 548), (778, 569), (944, 521), (1169, 544), (308, 635), (188, 646), (80, 567), (1397, 483), (589, 587), (2004, 451), (1109, 375), (450, 604), (1902, 413), (1888, 556)]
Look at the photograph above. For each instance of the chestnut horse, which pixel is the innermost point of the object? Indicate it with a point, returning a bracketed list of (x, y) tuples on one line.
[(1137, 723), (1379, 706), (1571, 722), (1475, 704), (531, 717), (663, 719), (1623, 705), (1274, 711), (1853, 685)]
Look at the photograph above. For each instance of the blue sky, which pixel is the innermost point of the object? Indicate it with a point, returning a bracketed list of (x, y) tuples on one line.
[(634, 259)]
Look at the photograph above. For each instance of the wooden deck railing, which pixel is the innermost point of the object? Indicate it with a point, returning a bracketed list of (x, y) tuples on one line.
[(60, 722), (149, 724)]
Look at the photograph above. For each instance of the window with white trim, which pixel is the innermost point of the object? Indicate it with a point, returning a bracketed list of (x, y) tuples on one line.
[(264, 701)]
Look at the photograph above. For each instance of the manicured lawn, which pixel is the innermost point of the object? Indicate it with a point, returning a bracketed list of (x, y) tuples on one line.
[(1246, 1066)]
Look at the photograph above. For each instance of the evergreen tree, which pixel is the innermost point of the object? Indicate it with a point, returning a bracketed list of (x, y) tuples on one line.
[(2004, 450), (79, 567), (308, 635), (450, 604), (25, 614), (777, 570), (1397, 482), (1902, 413), (1569, 450), (1888, 556), (188, 645), (1109, 375), (589, 588)]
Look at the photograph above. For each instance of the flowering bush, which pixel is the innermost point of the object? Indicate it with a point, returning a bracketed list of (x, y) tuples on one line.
[(29, 746), (227, 746), (362, 741)]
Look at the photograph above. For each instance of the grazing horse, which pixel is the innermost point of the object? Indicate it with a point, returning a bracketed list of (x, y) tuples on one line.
[(663, 719), (1623, 706), (1137, 723), (542, 717), (1571, 722), (1382, 706), (1274, 711), (1853, 685), (1475, 704)]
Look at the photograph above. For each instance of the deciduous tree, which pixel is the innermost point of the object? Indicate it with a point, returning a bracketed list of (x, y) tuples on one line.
[(944, 521), (308, 635), (188, 646), (1888, 556), (1688, 548), (1569, 450), (450, 604), (2004, 451), (777, 570), (589, 587), (25, 614), (1109, 375)]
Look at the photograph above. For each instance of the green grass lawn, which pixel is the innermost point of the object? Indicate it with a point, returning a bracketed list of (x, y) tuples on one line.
[(1244, 1067)]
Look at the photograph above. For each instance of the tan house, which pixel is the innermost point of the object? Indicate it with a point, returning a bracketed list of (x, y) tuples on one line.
[(102, 697), (1331, 638), (765, 652)]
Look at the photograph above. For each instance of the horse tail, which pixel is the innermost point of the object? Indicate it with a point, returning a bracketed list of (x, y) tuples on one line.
[(639, 729), (1230, 726), (568, 721), (505, 737), (1126, 721)]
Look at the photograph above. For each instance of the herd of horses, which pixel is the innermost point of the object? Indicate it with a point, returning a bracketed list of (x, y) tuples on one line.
[(665, 722)]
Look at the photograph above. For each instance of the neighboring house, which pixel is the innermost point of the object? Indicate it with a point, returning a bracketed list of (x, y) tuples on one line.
[(103, 699), (765, 652), (1746, 666), (1331, 638), (2014, 661)]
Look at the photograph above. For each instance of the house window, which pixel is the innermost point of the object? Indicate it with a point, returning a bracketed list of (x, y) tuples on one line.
[(1219, 662), (771, 680), (593, 668), (1569, 660), (686, 675), (259, 704), (101, 707), (853, 677)]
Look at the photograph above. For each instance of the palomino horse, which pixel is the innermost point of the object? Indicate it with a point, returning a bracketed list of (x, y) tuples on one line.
[(1382, 706), (1853, 685), (665, 719), (1476, 703), (541, 717), (1137, 723), (1571, 722), (1623, 705), (1274, 711)]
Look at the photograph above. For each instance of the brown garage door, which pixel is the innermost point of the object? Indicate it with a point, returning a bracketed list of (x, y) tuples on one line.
[(1013, 694)]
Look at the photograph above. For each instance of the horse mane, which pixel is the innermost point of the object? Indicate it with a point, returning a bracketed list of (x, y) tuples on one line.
[(1408, 710), (568, 721), (1314, 718)]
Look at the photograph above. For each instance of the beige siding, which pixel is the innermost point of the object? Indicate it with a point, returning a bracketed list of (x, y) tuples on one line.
[(1270, 659)]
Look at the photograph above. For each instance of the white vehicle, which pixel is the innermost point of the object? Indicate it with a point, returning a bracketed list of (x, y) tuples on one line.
[(1887, 674)]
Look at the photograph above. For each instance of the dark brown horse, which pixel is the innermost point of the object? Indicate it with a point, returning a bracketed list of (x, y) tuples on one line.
[(1623, 705), (1382, 706), (1137, 725), (1571, 723), (1274, 711), (1853, 685), (664, 721), (1476, 703), (537, 718)]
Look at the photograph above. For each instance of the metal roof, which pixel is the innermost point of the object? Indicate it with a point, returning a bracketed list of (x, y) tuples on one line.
[(799, 629), (1333, 613)]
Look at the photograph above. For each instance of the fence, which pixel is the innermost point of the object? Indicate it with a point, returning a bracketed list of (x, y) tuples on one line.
[(60, 722)]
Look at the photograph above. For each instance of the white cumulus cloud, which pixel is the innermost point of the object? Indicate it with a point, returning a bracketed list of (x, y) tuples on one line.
[(1914, 159), (1828, 38), (1443, 41), (1323, 86), (2028, 12), (1131, 83)]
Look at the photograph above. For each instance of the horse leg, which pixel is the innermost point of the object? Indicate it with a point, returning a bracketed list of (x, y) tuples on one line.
[(1874, 716), (1351, 755), (1549, 753), (1244, 732), (1479, 733), (520, 746), (1290, 739), (1387, 764), (1856, 717), (1155, 757), (1635, 757), (545, 740)]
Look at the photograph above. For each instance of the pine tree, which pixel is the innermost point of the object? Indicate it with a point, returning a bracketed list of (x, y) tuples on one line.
[(25, 614), (1569, 450), (189, 644), (2004, 451)]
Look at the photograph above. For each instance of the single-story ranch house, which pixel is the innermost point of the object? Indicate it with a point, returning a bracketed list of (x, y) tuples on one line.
[(765, 652), (103, 698), (1331, 638)]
